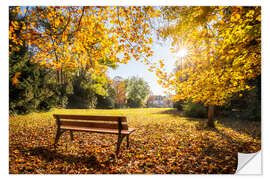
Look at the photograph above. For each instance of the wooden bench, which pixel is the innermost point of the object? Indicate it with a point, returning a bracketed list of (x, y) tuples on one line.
[(97, 124)]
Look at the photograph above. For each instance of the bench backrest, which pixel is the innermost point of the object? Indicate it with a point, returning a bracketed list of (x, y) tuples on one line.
[(104, 122)]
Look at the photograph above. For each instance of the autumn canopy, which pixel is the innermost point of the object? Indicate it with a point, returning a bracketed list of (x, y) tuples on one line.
[(222, 45), (65, 38)]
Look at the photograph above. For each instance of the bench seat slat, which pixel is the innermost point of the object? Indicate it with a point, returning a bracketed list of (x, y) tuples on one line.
[(106, 125), (98, 130), (90, 117)]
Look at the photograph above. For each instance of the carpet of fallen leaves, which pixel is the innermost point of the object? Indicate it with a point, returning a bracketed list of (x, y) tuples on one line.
[(164, 143)]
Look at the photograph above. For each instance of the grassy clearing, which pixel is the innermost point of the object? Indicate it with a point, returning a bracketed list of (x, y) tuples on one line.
[(164, 142)]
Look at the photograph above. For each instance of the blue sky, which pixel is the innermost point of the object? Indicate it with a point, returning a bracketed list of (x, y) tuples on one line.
[(133, 68)]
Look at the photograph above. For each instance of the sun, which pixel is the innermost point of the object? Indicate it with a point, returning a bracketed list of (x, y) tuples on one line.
[(182, 52)]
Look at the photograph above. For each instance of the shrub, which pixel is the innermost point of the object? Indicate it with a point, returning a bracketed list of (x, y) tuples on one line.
[(194, 110), (178, 105), (105, 102)]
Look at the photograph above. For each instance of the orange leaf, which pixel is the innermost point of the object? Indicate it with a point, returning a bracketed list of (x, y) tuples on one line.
[(15, 78)]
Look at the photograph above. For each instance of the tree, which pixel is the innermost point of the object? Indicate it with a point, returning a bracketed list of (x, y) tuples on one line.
[(150, 99), (120, 91), (224, 46), (64, 38), (137, 92), (87, 88), (84, 39), (27, 88), (107, 102)]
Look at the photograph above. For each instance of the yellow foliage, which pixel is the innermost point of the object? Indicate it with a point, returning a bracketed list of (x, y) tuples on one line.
[(81, 36), (227, 57)]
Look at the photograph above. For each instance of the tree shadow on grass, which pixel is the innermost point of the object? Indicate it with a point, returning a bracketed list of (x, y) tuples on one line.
[(251, 128), (242, 146), (227, 159), (173, 112), (239, 145), (177, 113)]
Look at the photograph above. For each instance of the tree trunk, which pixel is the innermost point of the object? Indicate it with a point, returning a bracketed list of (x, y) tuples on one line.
[(57, 76), (61, 76), (65, 77), (210, 122)]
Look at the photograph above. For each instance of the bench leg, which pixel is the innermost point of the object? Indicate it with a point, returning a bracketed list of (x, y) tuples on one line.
[(127, 141), (58, 134), (71, 135), (120, 138)]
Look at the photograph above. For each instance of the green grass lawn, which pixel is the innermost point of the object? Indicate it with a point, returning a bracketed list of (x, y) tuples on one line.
[(164, 142)]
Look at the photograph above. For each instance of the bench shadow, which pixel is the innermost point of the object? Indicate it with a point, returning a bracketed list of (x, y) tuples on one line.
[(48, 154)]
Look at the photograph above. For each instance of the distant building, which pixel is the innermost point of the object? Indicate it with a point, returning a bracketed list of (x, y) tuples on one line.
[(159, 101)]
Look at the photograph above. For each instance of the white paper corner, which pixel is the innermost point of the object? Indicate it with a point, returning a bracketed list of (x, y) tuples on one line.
[(249, 164)]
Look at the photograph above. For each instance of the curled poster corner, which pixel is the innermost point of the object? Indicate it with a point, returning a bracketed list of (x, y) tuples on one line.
[(249, 163)]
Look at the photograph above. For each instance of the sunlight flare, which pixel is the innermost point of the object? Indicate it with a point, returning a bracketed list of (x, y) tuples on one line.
[(182, 52)]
